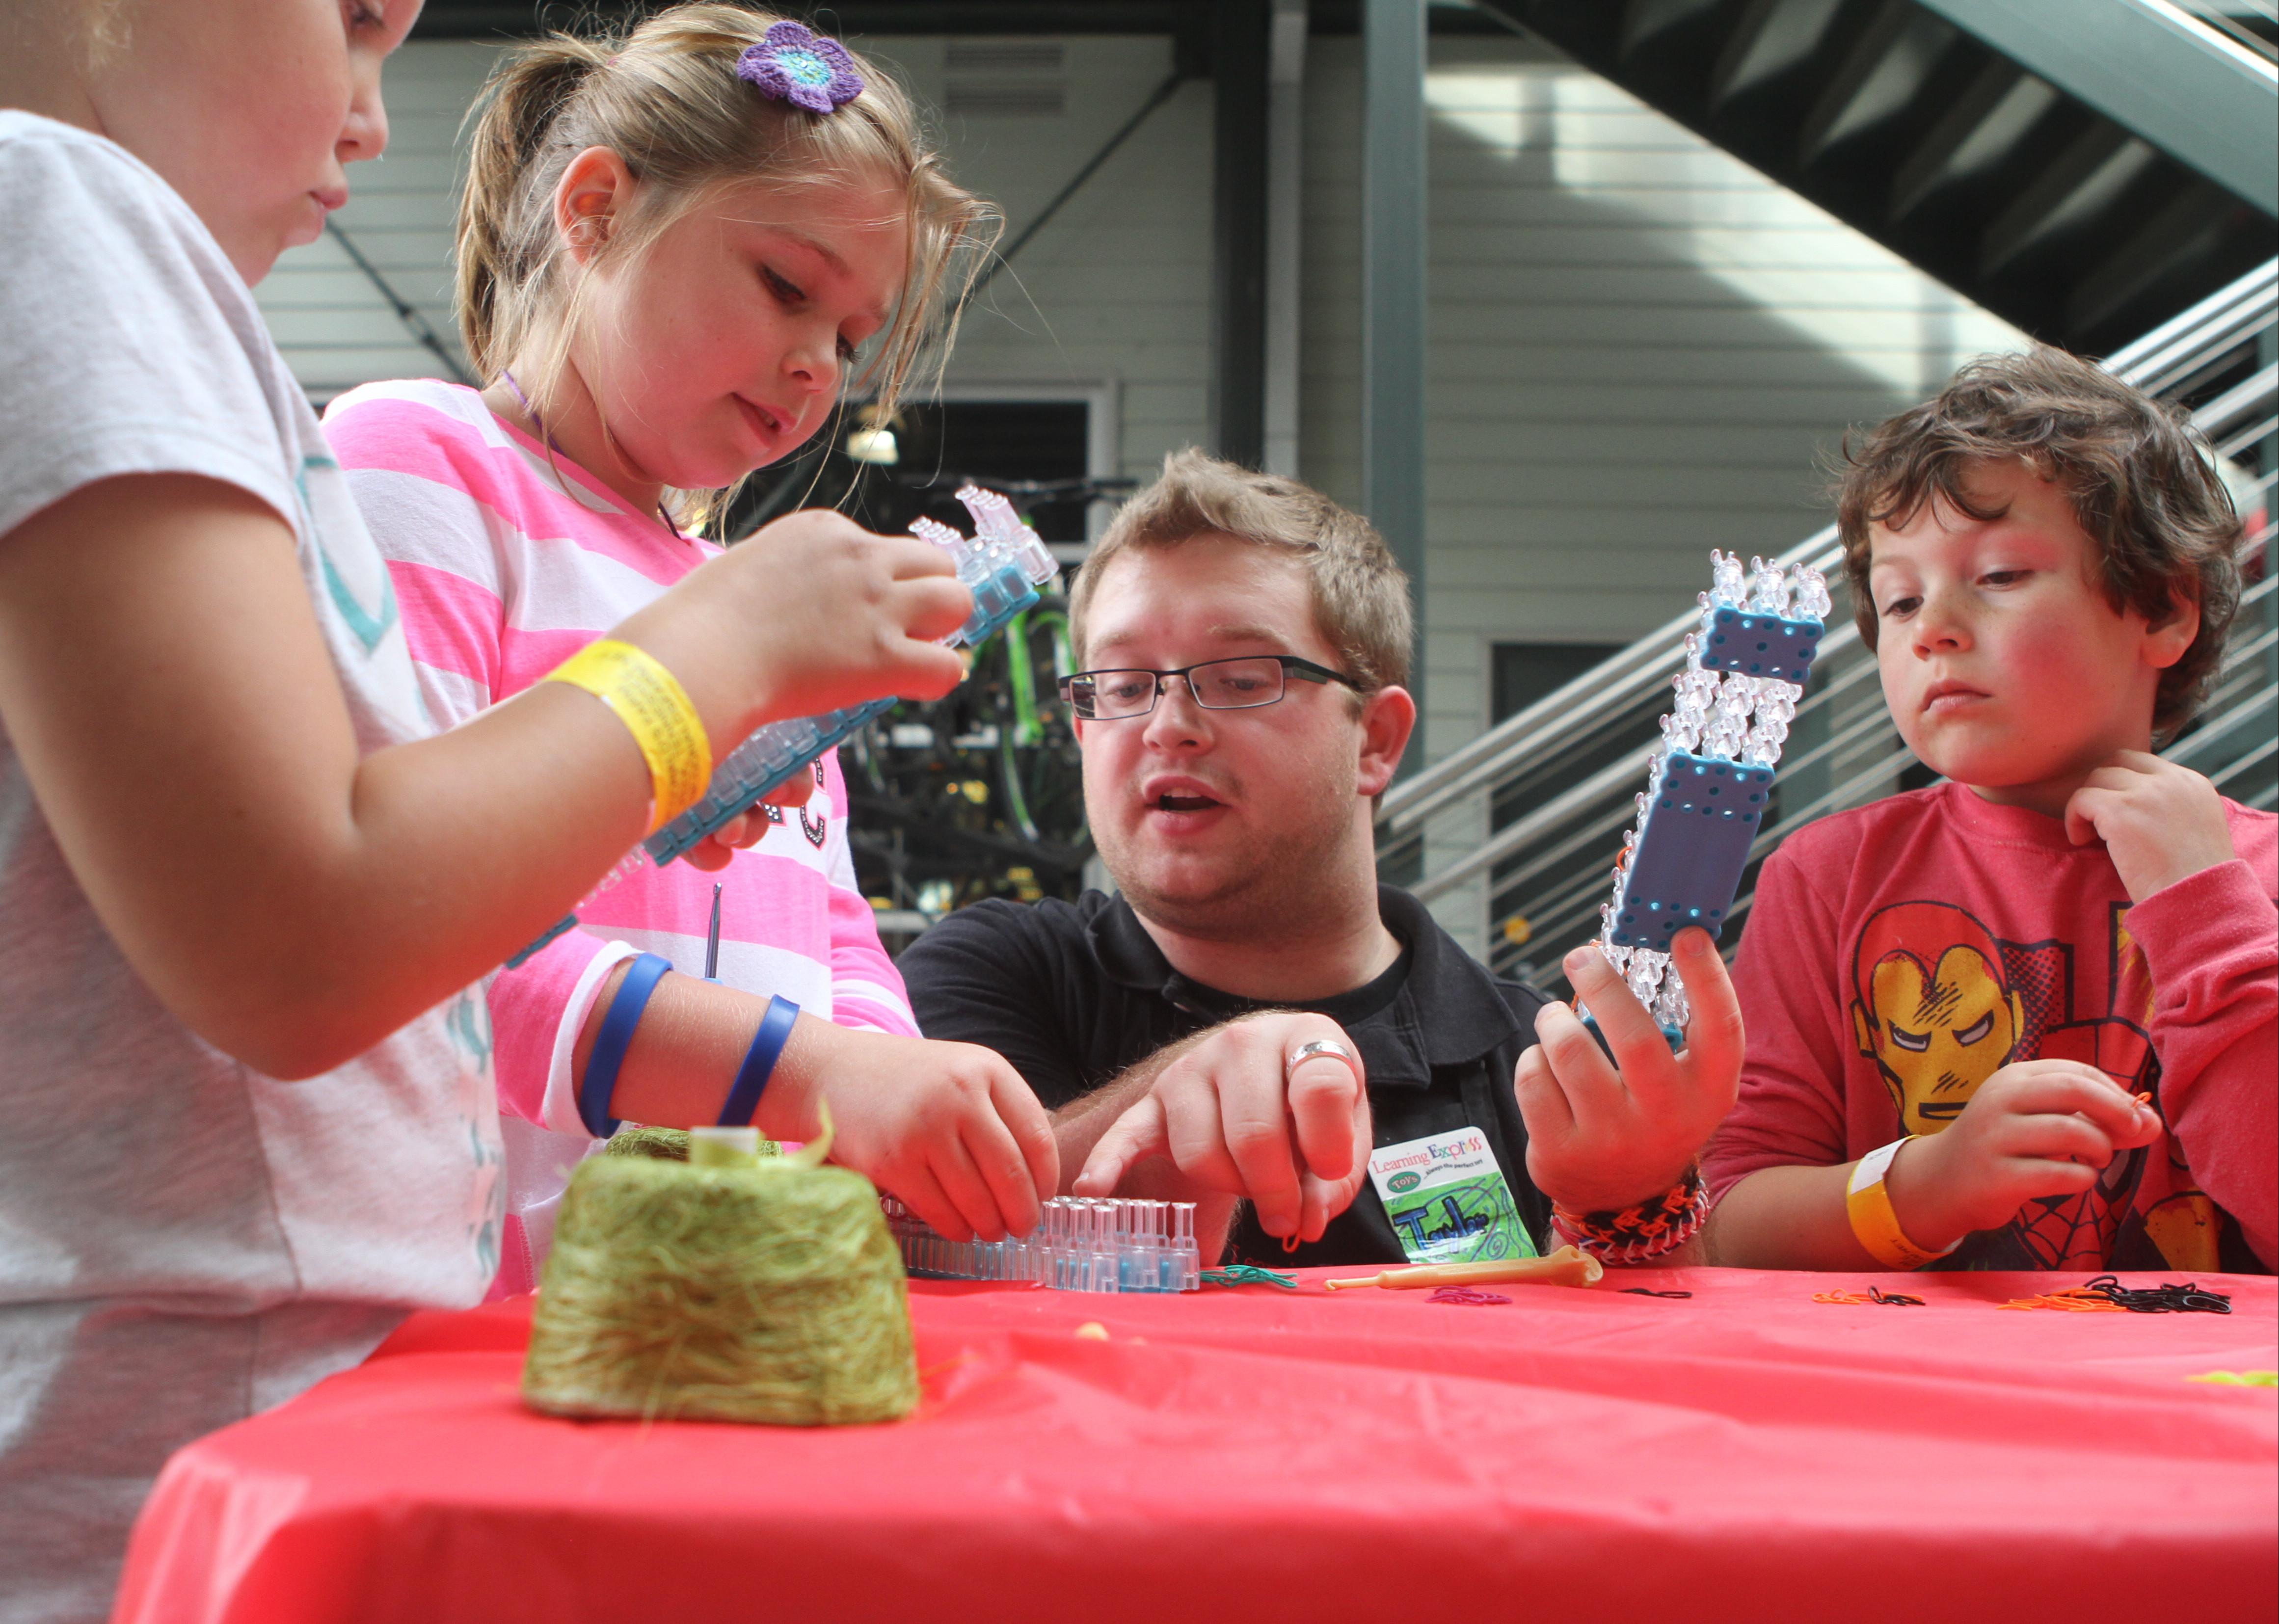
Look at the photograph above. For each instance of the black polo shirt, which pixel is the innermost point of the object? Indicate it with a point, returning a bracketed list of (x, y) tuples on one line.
[(1074, 994)]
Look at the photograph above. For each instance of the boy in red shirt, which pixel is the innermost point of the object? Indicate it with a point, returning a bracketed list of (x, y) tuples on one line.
[(1958, 999)]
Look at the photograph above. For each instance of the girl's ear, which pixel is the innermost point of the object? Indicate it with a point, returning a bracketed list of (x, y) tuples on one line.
[(594, 192)]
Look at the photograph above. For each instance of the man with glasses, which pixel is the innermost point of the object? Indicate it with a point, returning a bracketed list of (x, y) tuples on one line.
[(1251, 1021)]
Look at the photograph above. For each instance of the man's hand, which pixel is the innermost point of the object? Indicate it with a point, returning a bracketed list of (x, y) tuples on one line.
[(1235, 1116), (2160, 823), (2040, 1128), (1601, 1136), (950, 1128)]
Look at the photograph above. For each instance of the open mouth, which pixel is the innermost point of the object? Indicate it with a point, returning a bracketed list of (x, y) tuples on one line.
[(1168, 802), (766, 421)]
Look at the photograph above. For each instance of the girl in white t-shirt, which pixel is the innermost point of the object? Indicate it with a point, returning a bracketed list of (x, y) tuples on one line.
[(230, 853), (673, 247)]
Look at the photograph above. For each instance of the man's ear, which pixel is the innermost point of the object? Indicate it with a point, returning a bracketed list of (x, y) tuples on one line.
[(593, 193), (2169, 635), (1387, 717)]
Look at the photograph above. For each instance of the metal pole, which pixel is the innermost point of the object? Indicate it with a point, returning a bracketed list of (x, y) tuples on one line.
[(1240, 68), (1285, 144), (1393, 219)]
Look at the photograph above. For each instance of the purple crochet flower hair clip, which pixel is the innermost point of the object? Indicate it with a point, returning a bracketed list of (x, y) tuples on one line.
[(804, 69)]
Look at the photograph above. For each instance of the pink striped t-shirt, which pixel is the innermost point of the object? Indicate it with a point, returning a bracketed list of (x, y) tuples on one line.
[(504, 566)]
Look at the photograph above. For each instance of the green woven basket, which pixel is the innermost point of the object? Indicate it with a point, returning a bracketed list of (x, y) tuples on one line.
[(766, 1292)]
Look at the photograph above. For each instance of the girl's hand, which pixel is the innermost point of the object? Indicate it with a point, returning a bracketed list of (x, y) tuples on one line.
[(2038, 1128), (1600, 1135), (950, 1128), (811, 614), (717, 850), (2160, 823)]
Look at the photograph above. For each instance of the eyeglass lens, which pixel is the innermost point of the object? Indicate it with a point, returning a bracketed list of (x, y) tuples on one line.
[(1221, 685)]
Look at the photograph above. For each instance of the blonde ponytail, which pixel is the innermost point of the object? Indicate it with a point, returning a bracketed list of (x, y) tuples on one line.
[(505, 217)]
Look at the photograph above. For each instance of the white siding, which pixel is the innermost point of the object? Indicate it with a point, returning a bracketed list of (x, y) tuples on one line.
[(1641, 349), (1116, 288)]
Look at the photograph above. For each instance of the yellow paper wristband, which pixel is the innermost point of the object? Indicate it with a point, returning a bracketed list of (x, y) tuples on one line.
[(1869, 1206), (655, 710)]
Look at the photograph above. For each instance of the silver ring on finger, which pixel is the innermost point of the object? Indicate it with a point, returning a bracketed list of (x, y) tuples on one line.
[(1323, 1045)]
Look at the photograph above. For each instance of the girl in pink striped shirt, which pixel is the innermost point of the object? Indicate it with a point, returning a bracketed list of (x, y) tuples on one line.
[(671, 247)]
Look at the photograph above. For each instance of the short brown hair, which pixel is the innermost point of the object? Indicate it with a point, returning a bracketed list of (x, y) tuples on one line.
[(2141, 479), (1360, 596)]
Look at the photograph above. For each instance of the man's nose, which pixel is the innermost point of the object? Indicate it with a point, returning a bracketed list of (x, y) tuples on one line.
[(1177, 718)]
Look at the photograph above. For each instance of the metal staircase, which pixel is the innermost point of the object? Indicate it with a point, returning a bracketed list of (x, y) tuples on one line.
[(1560, 777), (2083, 168)]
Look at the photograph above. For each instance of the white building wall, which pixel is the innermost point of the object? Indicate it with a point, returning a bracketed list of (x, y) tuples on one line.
[(1641, 349), (1116, 288)]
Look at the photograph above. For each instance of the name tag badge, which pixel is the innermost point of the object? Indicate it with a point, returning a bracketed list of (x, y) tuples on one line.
[(1447, 1199)]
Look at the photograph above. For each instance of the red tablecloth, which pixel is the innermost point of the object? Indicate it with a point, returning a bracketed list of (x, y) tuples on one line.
[(1260, 1455)]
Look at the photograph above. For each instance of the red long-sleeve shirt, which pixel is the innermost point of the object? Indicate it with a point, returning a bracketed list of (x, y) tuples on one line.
[(1899, 954)]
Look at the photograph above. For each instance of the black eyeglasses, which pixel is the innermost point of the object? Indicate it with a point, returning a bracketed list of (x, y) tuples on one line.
[(1243, 684)]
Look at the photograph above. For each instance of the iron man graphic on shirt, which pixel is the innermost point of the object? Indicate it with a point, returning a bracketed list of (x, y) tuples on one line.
[(1939, 1004)]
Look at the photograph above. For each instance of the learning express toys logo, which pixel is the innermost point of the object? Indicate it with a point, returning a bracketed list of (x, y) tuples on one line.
[(1401, 1184)]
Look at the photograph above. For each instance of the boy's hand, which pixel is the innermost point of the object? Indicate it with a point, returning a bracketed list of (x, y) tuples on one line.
[(2160, 823), (950, 1128), (1600, 1139), (2040, 1128)]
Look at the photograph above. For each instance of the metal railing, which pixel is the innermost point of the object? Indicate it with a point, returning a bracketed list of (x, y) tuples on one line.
[(1559, 777)]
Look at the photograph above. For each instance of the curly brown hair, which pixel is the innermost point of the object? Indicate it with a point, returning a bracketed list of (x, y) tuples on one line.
[(2141, 482)]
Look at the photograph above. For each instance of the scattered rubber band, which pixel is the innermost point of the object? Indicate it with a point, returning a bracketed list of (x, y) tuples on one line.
[(2105, 1294), (1243, 1274), (2239, 1378), (1463, 1297), (1873, 1294), (1639, 1291)]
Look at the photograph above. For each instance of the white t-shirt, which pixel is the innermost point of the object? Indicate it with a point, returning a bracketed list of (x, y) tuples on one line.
[(184, 1240)]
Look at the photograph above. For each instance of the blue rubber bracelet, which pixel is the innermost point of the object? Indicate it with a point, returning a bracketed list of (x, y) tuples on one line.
[(759, 1061), (609, 1051)]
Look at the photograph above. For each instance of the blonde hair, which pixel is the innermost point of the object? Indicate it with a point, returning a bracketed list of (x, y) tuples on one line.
[(1360, 596), (666, 99)]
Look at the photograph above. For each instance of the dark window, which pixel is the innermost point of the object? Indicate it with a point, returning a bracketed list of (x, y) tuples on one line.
[(939, 444)]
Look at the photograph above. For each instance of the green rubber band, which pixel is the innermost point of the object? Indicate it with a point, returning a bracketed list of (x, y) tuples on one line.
[(1243, 1274)]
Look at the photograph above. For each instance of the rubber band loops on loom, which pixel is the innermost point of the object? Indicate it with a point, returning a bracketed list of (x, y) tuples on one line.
[(1873, 1294), (2105, 1294), (1243, 1274)]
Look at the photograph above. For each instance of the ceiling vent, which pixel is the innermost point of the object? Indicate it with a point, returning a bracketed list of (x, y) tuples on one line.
[(1008, 56), (1006, 101)]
